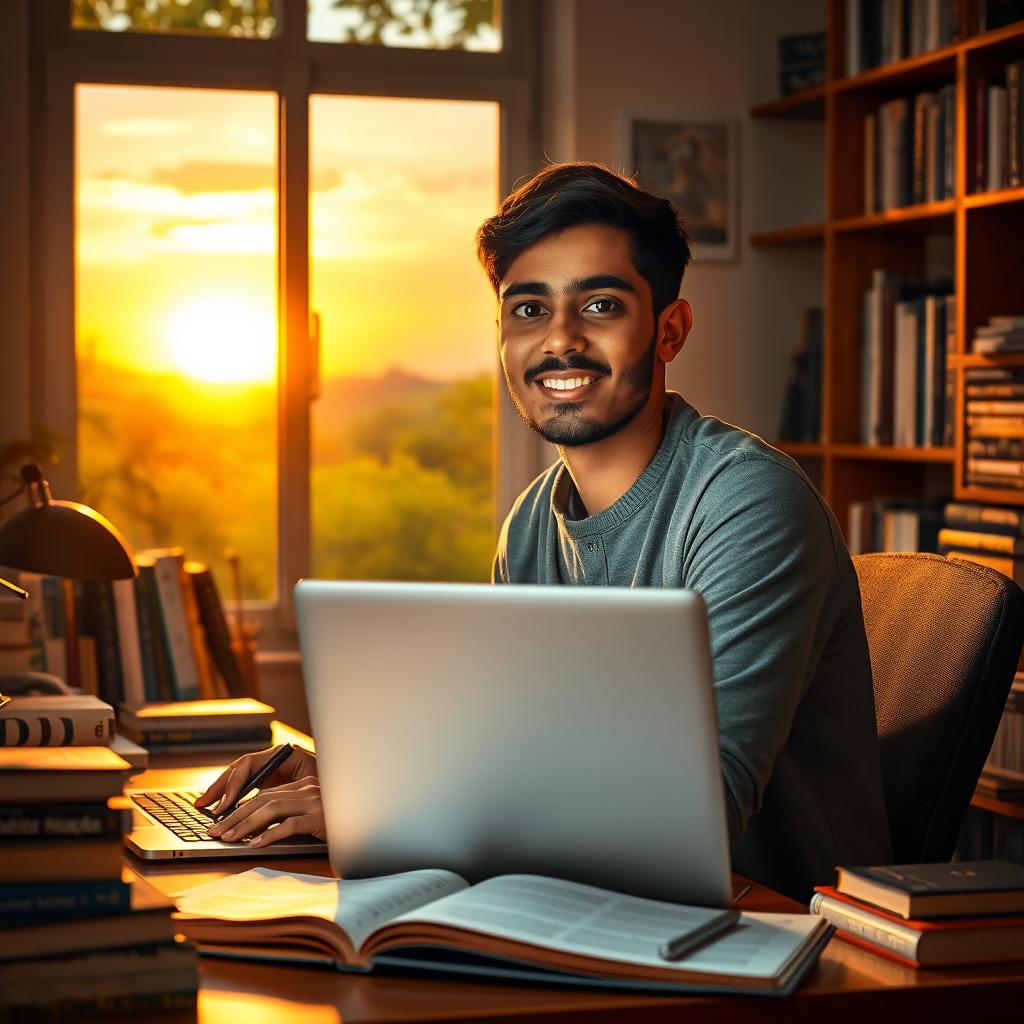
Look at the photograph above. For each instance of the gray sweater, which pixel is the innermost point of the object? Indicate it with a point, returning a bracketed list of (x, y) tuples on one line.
[(719, 511)]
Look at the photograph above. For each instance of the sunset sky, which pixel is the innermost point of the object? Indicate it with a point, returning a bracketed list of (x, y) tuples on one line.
[(176, 231)]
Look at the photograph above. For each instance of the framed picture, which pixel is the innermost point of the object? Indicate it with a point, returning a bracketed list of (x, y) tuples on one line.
[(693, 161)]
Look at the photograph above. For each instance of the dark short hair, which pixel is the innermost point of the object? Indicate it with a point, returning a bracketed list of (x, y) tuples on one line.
[(569, 195)]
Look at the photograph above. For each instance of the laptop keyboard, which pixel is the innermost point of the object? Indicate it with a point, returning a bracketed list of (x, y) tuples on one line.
[(175, 811)]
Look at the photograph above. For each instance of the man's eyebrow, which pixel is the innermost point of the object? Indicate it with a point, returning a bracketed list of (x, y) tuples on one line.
[(525, 288), (575, 286)]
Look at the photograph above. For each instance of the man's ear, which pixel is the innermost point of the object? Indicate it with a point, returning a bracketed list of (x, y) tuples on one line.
[(674, 325)]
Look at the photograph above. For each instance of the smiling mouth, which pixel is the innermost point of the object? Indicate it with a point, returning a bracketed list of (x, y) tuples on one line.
[(568, 387)]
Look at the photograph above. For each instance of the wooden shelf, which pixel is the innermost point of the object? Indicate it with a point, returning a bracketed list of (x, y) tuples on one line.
[(925, 67), (902, 218), (1007, 808), (804, 235), (970, 359), (1000, 197), (806, 105), (998, 40), (890, 453)]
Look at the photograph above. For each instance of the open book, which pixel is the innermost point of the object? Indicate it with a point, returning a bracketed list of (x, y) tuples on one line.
[(514, 926)]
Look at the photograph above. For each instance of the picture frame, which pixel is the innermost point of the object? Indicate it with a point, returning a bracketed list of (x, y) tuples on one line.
[(691, 159)]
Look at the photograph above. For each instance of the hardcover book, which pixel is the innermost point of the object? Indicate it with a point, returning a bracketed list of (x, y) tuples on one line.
[(922, 943), (936, 890), (514, 926), (73, 720)]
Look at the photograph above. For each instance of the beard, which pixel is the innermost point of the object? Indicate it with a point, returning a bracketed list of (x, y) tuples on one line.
[(570, 427)]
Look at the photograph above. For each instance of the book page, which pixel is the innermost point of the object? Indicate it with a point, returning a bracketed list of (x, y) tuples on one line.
[(584, 920), (357, 906)]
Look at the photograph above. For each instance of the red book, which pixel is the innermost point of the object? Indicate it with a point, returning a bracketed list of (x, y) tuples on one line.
[(939, 942)]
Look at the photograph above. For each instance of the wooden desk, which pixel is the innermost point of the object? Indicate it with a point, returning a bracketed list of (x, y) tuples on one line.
[(847, 983)]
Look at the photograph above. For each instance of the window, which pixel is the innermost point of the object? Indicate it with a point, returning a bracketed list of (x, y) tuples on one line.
[(176, 334), (402, 484), (229, 374)]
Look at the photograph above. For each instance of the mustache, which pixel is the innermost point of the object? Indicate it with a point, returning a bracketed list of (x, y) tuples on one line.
[(551, 365)]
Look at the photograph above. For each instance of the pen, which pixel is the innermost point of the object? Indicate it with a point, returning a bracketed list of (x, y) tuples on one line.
[(683, 945), (259, 777)]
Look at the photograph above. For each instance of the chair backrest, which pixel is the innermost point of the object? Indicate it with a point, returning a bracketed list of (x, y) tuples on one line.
[(944, 637)]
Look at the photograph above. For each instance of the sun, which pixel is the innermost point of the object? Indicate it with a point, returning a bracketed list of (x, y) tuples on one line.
[(223, 340)]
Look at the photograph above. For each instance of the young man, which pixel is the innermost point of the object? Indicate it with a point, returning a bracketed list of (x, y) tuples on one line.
[(587, 269)]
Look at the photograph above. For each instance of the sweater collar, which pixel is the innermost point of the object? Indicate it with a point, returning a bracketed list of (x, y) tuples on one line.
[(565, 498)]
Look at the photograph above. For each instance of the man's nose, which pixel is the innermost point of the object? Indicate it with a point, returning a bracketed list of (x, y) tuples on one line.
[(565, 334)]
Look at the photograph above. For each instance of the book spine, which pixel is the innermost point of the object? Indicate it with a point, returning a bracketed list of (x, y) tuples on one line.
[(996, 467), (79, 727), (35, 904), (217, 634), (1011, 567), (82, 860), (204, 670), (61, 821), (998, 543), (99, 620), (149, 737), (990, 518), (867, 927), (168, 570), (870, 160), (1013, 114), (139, 1004), (133, 673), (980, 134), (854, 44), (996, 137), (151, 636), (949, 141), (917, 189)]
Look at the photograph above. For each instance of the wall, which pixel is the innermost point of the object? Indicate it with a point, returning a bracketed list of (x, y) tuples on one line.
[(692, 56)]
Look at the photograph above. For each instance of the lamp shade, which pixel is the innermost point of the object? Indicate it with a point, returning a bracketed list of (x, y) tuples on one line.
[(64, 538)]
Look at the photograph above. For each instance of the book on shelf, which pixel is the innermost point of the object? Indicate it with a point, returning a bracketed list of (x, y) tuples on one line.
[(999, 519), (915, 942), (216, 633), (993, 14), (24, 903), (1001, 784), (906, 397), (45, 822), (801, 61), (999, 130), (61, 774), (230, 725), (880, 32), (513, 926), (79, 720), (1008, 566), (893, 524)]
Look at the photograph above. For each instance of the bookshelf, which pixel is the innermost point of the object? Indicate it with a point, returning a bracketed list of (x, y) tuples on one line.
[(973, 239)]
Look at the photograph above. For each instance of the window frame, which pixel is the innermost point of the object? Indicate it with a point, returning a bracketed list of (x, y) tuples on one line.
[(295, 69)]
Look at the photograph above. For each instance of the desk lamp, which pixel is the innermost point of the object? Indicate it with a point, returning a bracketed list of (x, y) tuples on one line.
[(66, 539)]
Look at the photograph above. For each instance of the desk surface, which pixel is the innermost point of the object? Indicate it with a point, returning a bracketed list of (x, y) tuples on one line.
[(847, 981)]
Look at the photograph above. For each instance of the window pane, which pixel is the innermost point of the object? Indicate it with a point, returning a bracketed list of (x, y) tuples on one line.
[(416, 24), (403, 429), (250, 19), (176, 310)]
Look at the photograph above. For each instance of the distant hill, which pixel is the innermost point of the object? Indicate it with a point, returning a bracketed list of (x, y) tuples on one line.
[(345, 397)]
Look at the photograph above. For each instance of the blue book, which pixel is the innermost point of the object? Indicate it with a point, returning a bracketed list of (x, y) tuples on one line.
[(62, 901)]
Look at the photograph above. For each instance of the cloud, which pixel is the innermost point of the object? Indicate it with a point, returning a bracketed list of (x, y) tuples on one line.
[(215, 176)]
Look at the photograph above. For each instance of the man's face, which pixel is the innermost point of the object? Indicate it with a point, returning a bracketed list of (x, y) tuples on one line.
[(577, 335)]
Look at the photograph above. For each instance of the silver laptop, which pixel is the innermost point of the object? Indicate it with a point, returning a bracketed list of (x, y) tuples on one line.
[(563, 731), (167, 826)]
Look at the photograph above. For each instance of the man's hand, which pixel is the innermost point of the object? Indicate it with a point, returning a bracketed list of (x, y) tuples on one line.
[(290, 806)]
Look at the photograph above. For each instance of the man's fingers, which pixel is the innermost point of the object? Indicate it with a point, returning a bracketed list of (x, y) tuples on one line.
[(299, 825), (259, 817)]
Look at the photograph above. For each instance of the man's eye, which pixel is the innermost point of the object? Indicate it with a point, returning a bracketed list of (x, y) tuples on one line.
[(528, 310), (601, 306)]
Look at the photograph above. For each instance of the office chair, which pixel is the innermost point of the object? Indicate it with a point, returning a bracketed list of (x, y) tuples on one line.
[(944, 637)]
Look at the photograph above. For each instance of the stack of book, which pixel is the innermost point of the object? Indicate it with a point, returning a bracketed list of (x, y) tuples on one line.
[(1001, 334), (906, 388), (986, 534), (930, 915), (801, 62), (908, 150), (223, 727), (76, 938), (162, 636), (882, 31), (893, 524), (801, 410), (998, 131)]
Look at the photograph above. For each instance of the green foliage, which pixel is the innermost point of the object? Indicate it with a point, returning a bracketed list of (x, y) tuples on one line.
[(248, 18), (408, 495), (421, 20)]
